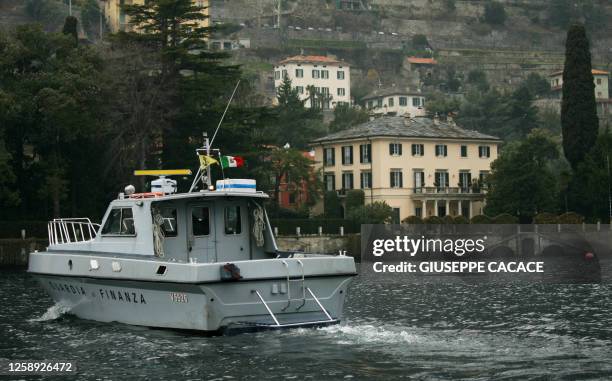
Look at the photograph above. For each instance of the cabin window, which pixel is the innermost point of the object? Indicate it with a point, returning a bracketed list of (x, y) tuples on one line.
[(169, 226), (232, 220), (120, 221), (200, 221)]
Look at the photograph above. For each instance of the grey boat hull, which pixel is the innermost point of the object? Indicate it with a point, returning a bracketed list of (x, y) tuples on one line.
[(207, 306)]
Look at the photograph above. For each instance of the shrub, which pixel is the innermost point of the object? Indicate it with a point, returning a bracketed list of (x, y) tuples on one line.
[(494, 13), (331, 205), (448, 219), (546, 218), (461, 220), (432, 220), (412, 220), (354, 198), (505, 218), (570, 218), (377, 212), (480, 219)]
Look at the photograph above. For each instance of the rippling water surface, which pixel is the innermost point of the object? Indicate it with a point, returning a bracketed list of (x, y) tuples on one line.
[(392, 331)]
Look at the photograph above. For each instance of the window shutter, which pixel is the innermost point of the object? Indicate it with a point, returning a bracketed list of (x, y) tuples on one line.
[(401, 179), (390, 148), (361, 148), (400, 149), (422, 179), (413, 149), (351, 154), (333, 156), (445, 150)]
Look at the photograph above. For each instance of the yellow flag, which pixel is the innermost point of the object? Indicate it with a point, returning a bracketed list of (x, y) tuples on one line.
[(205, 161)]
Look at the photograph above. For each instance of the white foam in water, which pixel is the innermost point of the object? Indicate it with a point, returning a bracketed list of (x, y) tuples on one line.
[(371, 334), (53, 312)]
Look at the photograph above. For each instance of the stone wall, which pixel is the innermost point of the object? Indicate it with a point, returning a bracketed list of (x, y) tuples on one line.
[(327, 244)]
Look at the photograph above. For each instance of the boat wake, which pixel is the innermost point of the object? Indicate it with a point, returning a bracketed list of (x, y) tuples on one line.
[(370, 334), (53, 312)]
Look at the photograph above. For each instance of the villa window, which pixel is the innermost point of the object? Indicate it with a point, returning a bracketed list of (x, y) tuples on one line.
[(347, 155), (325, 90), (464, 151), (277, 74), (441, 179), (324, 74), (366, 180), (379, 102), (299, 73), (599, 81), (315, 73), (341, 91), (370, 105), (340, 74), (347, 180), (391, 102), (484, 151), (482, 177), (365, 153), (416, 102), (418, 178), (397, 180), (465, 179), (330, 181), (418, 150), (284, 73), (395, 149), (441, 150), (329, 158), (403, 101), (300, 89)]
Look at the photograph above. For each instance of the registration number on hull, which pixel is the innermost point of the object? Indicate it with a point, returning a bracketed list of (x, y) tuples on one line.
[(178, 297)]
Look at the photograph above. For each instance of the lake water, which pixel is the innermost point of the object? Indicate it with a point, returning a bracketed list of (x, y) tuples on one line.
[(392, 330)]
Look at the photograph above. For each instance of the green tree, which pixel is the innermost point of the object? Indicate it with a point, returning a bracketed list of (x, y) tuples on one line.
[(537, 85), (525, 166), (589, 188), (441, 104), (331, 204), (579, 120), (70, 28), (55, 90), (522, 114), (346, 117), (494, 13), (478, 78)]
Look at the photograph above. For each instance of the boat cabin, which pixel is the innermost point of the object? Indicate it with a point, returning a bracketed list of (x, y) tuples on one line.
[(221, 225)]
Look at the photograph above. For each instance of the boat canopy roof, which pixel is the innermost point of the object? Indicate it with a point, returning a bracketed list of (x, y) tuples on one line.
[(197, 195)]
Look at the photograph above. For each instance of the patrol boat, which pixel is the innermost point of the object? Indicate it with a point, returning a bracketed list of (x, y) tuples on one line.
[(203, 260)]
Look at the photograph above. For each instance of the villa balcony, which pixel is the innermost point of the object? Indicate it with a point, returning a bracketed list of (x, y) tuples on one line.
[(441, 192)]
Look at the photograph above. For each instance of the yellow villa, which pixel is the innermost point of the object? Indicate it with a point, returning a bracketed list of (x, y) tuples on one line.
[(118, 21), (418, 166)]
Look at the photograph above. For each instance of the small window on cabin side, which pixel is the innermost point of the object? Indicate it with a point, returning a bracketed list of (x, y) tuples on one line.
[(120, 221), (169, 227), (232, 220), (200, 221)]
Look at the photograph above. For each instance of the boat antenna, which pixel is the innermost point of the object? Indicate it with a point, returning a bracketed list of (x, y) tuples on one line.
[(208, 145), (224, 112)]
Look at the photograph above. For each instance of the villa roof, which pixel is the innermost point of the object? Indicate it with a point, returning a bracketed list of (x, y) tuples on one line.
[(399, 126), (311, 59), (390, 91), (419, 60), (594, 72)]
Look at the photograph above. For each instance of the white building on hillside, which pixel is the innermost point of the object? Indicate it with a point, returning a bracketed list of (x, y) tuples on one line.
[(326, 75), (395, 101)]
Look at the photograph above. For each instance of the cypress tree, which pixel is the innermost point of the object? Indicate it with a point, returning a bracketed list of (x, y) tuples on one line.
[(578, 110), (70, 28)]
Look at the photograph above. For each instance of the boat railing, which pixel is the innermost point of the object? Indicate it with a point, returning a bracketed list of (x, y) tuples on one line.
[(71, 230)]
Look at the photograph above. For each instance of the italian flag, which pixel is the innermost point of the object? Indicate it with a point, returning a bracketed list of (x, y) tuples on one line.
[(232, 161)]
